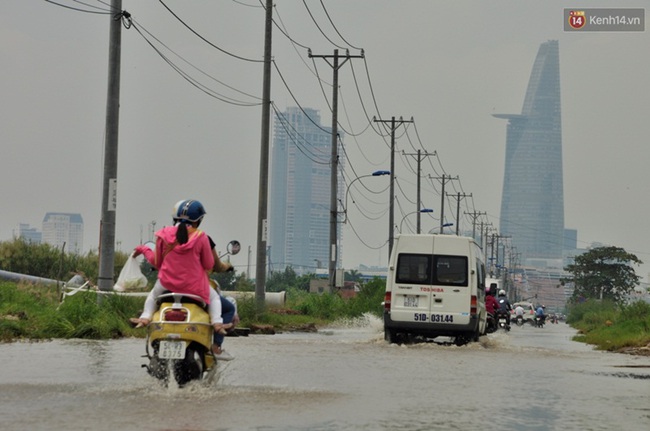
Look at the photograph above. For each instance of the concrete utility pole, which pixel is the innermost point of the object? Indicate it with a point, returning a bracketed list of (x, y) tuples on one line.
[(391, 216), (418, 203), (474, 216), (262, 202), (109, 183), (443, 180), (333, 255), (458, 197)]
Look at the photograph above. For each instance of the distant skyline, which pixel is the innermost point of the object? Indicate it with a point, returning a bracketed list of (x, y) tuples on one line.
[(448, 65)]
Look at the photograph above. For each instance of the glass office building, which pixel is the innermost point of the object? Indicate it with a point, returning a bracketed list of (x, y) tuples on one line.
[(299, 193), (532, 203)]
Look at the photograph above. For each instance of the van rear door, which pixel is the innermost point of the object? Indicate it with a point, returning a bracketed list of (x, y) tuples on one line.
[(432, 281)]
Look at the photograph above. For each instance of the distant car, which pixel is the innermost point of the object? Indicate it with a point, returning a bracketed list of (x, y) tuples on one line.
[(529, 312)]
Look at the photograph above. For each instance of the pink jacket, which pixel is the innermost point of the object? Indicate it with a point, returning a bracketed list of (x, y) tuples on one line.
[(182, 267)]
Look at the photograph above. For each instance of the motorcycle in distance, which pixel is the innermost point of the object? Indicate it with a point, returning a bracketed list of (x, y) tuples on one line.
[(519, 320), (179, 337), (539, 321), (502, 321)]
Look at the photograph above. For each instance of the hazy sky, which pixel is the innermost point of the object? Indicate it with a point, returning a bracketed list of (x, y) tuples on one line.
[(447, 64)]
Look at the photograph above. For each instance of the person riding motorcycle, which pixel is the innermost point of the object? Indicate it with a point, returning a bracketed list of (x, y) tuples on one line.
[(519, 312), (504, 307), (491, 306), (182, 257), (540, 313)]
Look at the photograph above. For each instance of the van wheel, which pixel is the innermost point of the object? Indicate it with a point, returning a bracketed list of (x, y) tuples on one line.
[(390, 335)]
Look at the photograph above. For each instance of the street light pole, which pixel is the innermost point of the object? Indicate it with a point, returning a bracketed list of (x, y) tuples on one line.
[(391, 216), (374, 174), (422, 210), (441, 227)]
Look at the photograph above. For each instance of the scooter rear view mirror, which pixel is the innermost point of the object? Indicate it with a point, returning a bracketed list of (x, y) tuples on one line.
[(234, 247)]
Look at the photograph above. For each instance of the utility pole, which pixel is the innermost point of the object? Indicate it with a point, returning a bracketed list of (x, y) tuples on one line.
[(474, 216), (262, 202), (417, 200), (498, 237), (109, 183), (391, 216), (443, 180), (333, 255), (458, 197)]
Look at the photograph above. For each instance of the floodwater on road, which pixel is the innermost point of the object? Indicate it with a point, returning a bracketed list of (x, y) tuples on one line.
[(341, 378)]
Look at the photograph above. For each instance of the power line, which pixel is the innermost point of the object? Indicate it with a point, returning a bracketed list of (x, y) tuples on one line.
[(189, 78), (99, 12), (207, 41), (333, 26), (318, 27)]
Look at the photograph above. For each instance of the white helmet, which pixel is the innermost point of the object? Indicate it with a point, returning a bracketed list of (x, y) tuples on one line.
[(502, 292)]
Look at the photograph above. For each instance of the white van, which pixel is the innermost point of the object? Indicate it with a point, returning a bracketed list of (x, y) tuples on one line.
[(435, 287), (492, 285)]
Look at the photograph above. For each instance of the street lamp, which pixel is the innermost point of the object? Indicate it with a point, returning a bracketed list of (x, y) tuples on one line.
[(422, 210), (374, 174), (333, 245), (441, 227)]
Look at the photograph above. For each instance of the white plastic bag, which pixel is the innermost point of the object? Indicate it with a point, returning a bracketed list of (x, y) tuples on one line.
[(130, 277)]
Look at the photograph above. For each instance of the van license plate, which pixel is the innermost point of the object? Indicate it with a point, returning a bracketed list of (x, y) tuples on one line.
[(411, 301), (171, 349)]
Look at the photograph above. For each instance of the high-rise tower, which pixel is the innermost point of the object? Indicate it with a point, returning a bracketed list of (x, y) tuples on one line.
[(64, 228), (532, 203), (299, 197)]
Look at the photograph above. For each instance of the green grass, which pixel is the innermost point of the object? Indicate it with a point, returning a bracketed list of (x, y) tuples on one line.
[(611, 327), (35, 312)]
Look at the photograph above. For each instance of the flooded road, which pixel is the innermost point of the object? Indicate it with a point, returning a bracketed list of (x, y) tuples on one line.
[(342, 378)]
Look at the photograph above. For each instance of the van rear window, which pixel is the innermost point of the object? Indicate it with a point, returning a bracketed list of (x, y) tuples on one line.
[(431, 269)]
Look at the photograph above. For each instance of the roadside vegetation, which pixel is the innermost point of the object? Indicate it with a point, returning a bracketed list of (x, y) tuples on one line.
[(613, 327), (602, 280), (36, 312)]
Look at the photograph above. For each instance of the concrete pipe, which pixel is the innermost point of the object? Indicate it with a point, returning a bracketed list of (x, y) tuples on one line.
[(271, 299)]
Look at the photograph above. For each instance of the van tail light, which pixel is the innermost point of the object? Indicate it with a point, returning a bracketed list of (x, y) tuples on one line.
[(473, 308), (176, 315), (387, 298)]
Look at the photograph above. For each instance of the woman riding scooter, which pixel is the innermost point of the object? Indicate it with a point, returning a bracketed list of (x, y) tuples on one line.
[(182, 257)]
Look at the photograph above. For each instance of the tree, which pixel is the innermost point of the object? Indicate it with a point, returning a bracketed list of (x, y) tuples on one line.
[(353, 275), (227, 280), (603, 273)]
